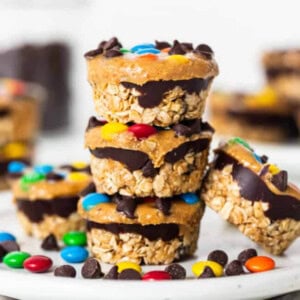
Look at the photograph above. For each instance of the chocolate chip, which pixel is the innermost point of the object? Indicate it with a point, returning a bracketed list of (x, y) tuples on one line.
[(246, 254), (188, 47), (101, 44), (91, 269), (162, 45), (264, 158), (112, 53), (10, 246), (3, 252), (207, 127), (204, 50), (93, 53), (218, 256), (66, 167), (125, 204), (65, 271), (52, 176), (112, 273), (130, 274), (176, 271), (112, 43), (177, 48), (163, 205), (188, 128), (280, 180), (50, 243), (234, 268), (149, 170), (91, 188), (94, 122), (264, 170), (207, 273)]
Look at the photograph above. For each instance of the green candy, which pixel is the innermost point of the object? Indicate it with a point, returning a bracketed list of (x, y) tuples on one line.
[(75, 238), (238, 140), (30, 178), (124, 50), (15, 259)]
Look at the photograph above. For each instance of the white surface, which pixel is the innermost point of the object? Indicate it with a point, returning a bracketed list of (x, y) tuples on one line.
[(215, 234)]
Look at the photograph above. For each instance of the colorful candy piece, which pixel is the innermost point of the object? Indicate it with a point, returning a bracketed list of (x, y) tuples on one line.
[(148, 56), (110, 129), (238, 140), (14, 150), (156, 275), (124, 50), (260, 264), (30, 178), (74, 254), (15, 259), (142, 46), (16, 167), (43, 169), (147, 50), (94, 199), (75, 238), (6, 236), (199, 267), (123, 265), (273, 169), (37, 264), (79, 164), (257, 157), (78, 176), (190, 198), (178, 58), (142, 130)]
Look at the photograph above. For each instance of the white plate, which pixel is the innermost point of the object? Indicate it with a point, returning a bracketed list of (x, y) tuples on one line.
[(215, 234)]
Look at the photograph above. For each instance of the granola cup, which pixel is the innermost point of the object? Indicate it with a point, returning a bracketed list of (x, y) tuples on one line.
[(254, 196), (151, 235), (168, 162), (158, 89)]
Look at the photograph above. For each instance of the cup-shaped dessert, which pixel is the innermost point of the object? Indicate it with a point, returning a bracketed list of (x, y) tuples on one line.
[(253, 195), (159, 84)]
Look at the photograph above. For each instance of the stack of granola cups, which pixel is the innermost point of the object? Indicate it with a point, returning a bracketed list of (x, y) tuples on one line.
[(149, 150)]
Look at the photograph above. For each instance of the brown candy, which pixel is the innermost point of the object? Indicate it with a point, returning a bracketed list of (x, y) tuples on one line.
[(65, 271), (176, 271), (91, 269), (218, 256)]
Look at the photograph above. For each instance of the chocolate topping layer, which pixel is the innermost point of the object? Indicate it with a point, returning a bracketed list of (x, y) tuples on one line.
[(36, 210), (253, 188), (152, 92), (274, 72), (94, 122), (166, 232)]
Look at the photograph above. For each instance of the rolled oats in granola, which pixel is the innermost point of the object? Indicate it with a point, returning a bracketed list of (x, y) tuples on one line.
[(159, 84), (254, 195)]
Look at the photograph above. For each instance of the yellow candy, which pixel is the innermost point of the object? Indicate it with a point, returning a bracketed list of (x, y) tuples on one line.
[(266, 98), (123, 265), (178, 58), (274, 169), (79, 164), (78, 176), (14, 150), (198, 268), (109, 129)]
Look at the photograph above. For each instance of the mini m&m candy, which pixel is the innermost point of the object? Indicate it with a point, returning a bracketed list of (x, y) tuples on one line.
[(260, 264), (199, 267), (142, 130), (156, 275), (6, 236), (93, 199), (31, 178), (15, 259), (37, 264), (78, 176), (122, 265), (190, 198), (16, 167), (75, 238), (110, 129), (142, 46), (74, 254), (43, 169)]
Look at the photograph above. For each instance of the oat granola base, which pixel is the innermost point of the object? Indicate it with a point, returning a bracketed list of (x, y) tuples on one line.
[(221, 193)]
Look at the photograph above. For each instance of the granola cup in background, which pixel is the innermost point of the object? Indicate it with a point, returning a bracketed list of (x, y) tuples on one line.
[(253, 195)]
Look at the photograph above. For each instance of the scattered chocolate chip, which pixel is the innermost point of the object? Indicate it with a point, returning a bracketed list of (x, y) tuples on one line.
[(52, 176), (219, 257), (65, 271), (91, 269), (177, 48), (176, 271), (50, 243), (114, 52), (10, 246), (264, 170), (207, 273), (264, 158), (188, 47), (162, 45), (112, 273), (163, 205), (234, 268), (204, 50), (125, 204), (66, 167), (101, 45), (93, 53), (149, 170), (3, 252), (112, 43), (188, 128), (130, 274), (280, 180), (91, 188), (246, 254), (94, 122)]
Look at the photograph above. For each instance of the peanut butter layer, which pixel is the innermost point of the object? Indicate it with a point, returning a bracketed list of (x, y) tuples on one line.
[(145, 214)]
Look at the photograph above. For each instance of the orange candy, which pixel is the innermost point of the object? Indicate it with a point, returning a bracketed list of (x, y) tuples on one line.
[(149, 56), (165, 50), (260, 264)]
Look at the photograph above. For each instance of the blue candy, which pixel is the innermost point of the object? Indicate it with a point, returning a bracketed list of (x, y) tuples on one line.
[(257, 157), (74, 254), (6, 236), (16, 167), (43, 169), (190, 198), (147, 50), (93, 199), (141, 46)]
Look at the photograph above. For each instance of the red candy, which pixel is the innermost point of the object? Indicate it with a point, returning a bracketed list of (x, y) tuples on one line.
[(142, 130), (37, 264), (157, 275)]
